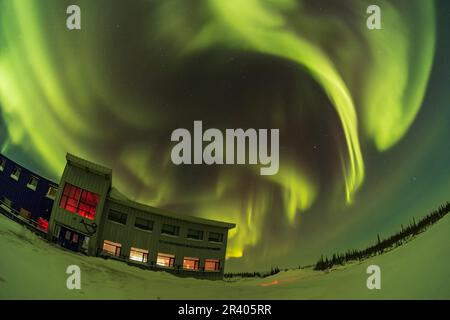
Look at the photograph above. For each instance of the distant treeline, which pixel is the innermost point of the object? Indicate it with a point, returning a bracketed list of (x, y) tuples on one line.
[(256, 274), (381, 246)]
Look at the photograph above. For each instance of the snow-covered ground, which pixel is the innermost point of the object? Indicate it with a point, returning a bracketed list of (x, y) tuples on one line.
[(30, 268)]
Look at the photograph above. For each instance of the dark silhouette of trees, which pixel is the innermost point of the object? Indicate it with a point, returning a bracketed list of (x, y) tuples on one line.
[(256, 274), (383, 245)]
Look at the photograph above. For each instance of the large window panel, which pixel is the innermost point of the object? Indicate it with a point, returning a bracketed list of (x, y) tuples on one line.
[(171, 230), (79, 201), (212, 264), (195, 234), (112, 248), (215, 237), (190, 263), (165, 260), (139, 255), (143, 224), (117, 216)]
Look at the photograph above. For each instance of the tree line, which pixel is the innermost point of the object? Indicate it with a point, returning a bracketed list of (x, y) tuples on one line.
[(255, 274), (383, 245)]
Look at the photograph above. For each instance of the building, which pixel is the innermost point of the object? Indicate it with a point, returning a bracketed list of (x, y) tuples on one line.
[(89, 215), (26, 193)]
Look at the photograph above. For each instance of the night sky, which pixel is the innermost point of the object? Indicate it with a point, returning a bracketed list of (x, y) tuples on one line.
[(363, 114)]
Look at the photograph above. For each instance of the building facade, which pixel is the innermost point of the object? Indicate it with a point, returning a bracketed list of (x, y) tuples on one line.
[(26, 193), (87, 214)]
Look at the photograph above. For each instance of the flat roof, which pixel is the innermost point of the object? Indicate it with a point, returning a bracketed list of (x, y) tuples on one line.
[(119, 198), (91, 166), (50, 181)]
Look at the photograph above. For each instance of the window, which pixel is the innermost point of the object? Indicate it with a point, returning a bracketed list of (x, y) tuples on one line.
[(165, 260), (170, 230), (6, 204), (51, 192), (139, 255), (215, 237), (88, 204), (81, 201), (2, 164), (112, 248), (195, 234), (190, 263), (143, 224), (16, 173), (32, 183), (117, 216), (212, 265)]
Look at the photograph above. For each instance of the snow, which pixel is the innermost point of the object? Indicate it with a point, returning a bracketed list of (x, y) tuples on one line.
[(31, 268)]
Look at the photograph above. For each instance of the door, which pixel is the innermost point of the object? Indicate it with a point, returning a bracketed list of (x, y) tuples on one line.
[(70, 239)]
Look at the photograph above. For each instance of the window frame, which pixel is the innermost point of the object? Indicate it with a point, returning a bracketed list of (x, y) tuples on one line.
[(214, 241), (216, 265), (74, 195), (52, 187), (15, 176), (164, 232), (188, 236), (144, 253), (30, 185), (166, 255), (122, 214), (196, 263), (117, 245), (150, 222)]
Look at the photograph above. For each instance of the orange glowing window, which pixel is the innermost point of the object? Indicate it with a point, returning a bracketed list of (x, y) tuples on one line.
[(165, 260), (139, 255), (190, 263), (81, 201), (112, 248), (212, 265)]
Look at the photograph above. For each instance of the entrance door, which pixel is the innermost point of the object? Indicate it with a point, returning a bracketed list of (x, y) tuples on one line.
[(70, 239)]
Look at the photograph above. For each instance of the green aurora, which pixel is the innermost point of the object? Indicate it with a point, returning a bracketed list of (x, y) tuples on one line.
[(344, 97)]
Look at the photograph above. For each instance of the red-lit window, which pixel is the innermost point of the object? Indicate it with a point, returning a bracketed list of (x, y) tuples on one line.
[(88, 204), (43, 224), (81, 201)]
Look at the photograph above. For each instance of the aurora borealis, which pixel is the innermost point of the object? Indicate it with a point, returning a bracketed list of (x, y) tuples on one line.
[(363, 138)]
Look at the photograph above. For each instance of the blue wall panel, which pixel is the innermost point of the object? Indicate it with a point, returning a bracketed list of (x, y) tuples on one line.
[(34, 201)]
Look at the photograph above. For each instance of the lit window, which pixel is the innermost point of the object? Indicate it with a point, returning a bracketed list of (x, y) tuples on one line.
[(190, 263), (16, 173), (212, 265), (143, 224), (117, 216), (215, 237), (88, 204), (43, 224), (81, 201), (112, 248), (195, 234), (2, 164), (32, 183), (139, 255), (170, 230), (165, 260), (51, 192)]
